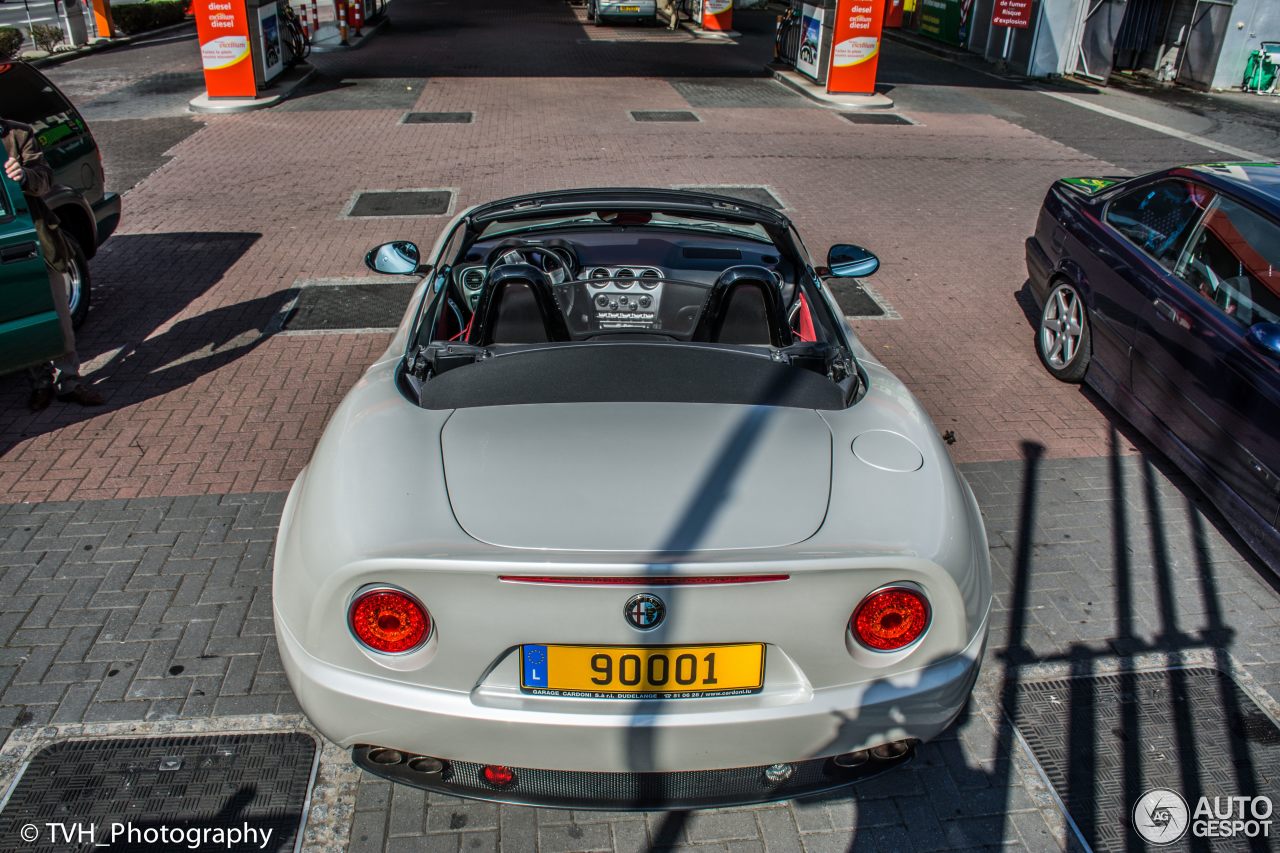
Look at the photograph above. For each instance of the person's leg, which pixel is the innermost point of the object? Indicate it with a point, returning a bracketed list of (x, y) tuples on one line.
[(69, 385)]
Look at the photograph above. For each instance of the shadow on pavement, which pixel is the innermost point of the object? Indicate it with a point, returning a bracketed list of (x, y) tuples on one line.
[(967, 784), (141, 282)]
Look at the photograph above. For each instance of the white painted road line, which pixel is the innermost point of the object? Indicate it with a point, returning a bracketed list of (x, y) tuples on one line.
[(1160, 128)]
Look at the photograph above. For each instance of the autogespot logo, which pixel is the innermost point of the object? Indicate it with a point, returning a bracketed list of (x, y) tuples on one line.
[(1161, 816)]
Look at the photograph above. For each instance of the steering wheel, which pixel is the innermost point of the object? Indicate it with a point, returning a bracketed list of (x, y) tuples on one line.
[(560, 263), (556, 261)]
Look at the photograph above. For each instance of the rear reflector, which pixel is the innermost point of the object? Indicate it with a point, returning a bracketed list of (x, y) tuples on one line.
[(890, 619), (389, 621), (642, 580), (498, 776)]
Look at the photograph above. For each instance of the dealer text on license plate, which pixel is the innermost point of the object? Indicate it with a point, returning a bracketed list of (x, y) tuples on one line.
[(623, 672)]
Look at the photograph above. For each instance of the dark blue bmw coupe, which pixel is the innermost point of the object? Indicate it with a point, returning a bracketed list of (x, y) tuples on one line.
[(1162, 292)]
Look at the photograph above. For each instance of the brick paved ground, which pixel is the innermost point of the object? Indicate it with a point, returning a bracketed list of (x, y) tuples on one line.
[(135, 540), (212, 242)]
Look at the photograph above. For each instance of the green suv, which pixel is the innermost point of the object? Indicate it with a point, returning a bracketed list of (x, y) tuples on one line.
[(29, 331)]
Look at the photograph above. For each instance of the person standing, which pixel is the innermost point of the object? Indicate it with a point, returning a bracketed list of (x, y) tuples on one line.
[(25, 164)]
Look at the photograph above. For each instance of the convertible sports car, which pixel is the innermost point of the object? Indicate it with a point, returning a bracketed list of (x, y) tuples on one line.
[(626, 517), (1162, 292)]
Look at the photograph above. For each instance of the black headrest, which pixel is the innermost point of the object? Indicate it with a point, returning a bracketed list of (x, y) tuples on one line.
[(744, 306), (517, 305)]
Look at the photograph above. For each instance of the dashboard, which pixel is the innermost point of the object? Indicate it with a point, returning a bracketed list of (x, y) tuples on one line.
[(623, 279)]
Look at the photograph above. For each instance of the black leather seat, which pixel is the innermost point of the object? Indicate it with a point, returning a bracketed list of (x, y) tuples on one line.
[(517, 306), (744, 307)]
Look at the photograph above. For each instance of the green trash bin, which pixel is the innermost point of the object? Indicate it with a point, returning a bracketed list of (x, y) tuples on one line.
[(1260, 70)]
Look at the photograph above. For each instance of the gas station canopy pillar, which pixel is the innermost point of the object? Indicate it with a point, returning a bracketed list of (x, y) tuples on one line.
[(717, 15), (855, 47), (223, 29), (240, 46), (103, 24)]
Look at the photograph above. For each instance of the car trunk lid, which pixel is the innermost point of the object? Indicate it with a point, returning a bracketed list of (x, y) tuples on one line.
[(649, 477)]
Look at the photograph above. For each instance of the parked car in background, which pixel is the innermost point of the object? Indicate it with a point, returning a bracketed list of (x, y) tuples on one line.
[(636, 10), (89, 214), (627, 517), (1162, 293)]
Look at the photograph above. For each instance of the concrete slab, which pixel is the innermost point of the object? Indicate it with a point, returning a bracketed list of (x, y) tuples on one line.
[(799, 83), (328, 39), (284, 86)]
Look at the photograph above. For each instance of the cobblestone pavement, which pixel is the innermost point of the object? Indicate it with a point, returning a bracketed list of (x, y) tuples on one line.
[(135, 540)]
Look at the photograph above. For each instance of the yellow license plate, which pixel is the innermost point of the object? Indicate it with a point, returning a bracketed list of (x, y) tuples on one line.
[(628, 8), (642, 672)]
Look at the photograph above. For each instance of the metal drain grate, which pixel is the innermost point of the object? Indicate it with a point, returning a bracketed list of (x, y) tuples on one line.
[(853, 298), (756, 195), (748, 93), (875, 118), (438, 118), (244, 782), (664, 115), (330, 307), (1103, 741), (401, 203)]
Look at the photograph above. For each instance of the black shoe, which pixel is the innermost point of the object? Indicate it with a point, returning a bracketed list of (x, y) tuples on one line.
[(40, 398), (84, 395)]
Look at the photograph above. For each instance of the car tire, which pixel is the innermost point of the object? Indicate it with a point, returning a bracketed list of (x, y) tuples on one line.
[(1063, 338), (78, 283)]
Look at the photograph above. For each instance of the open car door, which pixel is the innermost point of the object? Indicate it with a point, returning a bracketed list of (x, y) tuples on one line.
[(29, 328)]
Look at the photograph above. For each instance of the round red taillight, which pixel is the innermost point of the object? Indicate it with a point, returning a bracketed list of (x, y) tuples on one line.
[(498, 776), (389, 621), (890, 619)]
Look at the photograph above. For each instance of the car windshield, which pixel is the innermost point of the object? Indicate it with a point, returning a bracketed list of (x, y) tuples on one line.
[(28, 98), (654, 219)]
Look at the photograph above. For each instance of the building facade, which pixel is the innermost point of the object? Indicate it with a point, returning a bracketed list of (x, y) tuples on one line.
[(1204, 44)]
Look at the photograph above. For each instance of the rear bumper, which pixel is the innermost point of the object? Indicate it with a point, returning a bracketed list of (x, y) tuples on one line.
[(644, 9), (629, 791), (1038, 269), (107, 214), (356, 709)]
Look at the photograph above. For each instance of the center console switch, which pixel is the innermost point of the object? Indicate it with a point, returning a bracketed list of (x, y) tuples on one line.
[(625, 303)]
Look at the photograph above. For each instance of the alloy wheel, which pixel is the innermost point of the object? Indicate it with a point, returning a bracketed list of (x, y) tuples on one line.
[(75, 287), (1062, 326)]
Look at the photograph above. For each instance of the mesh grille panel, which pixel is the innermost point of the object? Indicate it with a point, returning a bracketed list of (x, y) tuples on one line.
[(582, 789)]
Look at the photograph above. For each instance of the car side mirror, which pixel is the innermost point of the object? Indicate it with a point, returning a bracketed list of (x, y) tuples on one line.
[(1266, 337), (399, 257), (846, 260)]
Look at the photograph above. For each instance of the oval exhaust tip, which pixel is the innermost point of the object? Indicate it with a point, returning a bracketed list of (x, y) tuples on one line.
[(427, 765), (887, 751), (857, 758), (384, 756)]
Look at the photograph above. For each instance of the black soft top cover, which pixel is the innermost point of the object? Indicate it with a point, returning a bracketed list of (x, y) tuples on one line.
[(630, 372)]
